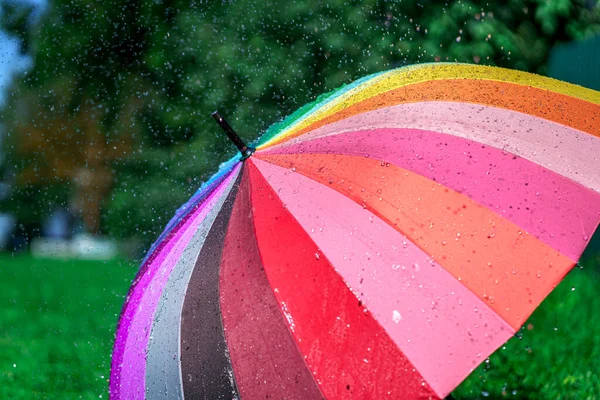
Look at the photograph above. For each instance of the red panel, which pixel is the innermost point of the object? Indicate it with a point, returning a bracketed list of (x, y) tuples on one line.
[(264, 356), (349, 353)]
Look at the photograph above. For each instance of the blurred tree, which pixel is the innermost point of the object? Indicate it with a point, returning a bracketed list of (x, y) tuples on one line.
[(71, 117), (149, 73)]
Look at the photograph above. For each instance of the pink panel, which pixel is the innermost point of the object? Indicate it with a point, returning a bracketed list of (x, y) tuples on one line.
[(564, 150), (557, 210), (442, 327)]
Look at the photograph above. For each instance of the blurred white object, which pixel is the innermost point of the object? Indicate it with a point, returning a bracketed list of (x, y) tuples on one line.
[(83, 246), (93, 247), (50, 248)]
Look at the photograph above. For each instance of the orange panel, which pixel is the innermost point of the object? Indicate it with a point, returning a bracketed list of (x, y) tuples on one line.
[(570, 111), (505, 266)]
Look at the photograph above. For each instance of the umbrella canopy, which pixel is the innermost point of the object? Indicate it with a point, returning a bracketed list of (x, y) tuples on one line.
[(380, 242)]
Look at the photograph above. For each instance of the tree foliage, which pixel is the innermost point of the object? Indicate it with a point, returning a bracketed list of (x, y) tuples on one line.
[(147, 75)]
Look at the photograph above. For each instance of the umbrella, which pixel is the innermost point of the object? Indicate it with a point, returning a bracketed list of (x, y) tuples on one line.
[(379, 242)]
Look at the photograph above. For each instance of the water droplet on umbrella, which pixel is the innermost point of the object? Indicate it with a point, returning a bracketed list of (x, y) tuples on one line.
[(396, 317)]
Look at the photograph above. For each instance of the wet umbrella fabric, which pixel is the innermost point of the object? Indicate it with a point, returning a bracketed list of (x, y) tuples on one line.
[(381, 242)]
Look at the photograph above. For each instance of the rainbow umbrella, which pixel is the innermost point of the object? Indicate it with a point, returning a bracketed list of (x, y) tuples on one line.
[(379, 243)]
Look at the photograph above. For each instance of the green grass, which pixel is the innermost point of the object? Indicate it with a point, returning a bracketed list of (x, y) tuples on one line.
[(57, 321)]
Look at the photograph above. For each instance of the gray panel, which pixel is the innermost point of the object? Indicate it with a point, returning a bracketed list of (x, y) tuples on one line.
[(163, 369)]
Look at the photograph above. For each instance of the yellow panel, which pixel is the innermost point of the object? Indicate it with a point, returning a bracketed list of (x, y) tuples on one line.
[(427, 72)]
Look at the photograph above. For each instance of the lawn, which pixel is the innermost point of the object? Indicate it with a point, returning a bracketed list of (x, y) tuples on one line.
[(57, 321)]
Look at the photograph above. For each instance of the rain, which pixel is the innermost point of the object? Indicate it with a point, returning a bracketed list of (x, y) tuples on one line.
[(150, 247)]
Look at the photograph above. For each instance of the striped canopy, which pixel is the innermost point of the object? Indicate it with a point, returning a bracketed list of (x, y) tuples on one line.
[(380, 243)]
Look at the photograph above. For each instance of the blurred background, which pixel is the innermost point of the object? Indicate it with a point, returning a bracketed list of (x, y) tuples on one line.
[(105, 130)]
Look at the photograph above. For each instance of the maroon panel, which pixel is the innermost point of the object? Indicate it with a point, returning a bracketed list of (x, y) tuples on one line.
[(265, 359)]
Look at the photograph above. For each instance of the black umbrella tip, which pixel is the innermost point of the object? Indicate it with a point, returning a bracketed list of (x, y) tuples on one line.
[(233, 136)]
